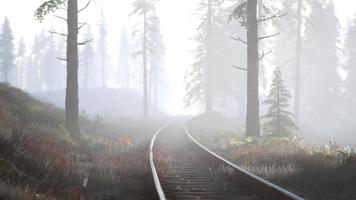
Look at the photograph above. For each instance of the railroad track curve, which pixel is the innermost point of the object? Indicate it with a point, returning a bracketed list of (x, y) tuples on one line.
[(182, 168)]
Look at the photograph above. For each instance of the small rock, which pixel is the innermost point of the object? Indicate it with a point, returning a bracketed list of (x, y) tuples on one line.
[(179, 187)]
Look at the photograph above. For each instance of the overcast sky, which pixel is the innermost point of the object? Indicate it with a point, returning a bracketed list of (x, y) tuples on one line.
[(176, 25)]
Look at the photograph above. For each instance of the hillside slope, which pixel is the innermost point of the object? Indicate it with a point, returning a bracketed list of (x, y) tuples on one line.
[(40, 160)]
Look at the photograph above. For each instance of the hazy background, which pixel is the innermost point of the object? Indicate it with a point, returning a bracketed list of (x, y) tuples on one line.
[(177, 26)]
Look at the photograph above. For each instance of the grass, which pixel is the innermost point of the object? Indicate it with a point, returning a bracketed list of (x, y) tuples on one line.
[(315, 172), (38, 156), (10, 192)]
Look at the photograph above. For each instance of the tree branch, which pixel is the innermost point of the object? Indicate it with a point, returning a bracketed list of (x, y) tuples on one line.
[(277, 15), (62, 18), (268, 36), (264, 54), (62, 59), (238, 39), (85, 42), (239, 68), (82, 25), (86, 6), (55, 32)]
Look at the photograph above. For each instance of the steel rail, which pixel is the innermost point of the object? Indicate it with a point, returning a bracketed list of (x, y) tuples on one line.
[(157, 182), (254, 177)]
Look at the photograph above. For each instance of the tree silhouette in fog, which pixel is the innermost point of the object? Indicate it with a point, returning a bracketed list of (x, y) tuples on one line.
[(6, 52), (279, 121)]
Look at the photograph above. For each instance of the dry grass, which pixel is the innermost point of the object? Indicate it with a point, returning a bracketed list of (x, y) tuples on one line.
[(316, 172), (10, 192), (34, 140)]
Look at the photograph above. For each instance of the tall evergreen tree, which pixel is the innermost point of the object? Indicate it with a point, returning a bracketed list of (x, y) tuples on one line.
[(102, 45), (87, 60), (145, 9), (124, 69), (289, 56), (7, 51), (21, 63), (61, 67), (263, 46), (298, 62), (229, 94), (321, 78), (350, 67), (156, 51), (199, 77), (35, 66), (49, 64), (284, 55), (279, 121)]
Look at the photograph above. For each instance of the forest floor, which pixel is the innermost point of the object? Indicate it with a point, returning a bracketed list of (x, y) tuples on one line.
[(322, 172), (39, 159)]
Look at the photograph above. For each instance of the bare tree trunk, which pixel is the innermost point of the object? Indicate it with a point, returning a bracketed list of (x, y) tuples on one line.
[(252, 115), (144, 60), (72, 99), (208, 100), (298, 62)]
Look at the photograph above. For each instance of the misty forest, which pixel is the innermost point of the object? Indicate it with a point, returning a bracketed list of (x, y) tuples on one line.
[(190, 99)]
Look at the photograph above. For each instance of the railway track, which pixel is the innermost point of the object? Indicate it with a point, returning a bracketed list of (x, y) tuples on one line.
[(182, 168)]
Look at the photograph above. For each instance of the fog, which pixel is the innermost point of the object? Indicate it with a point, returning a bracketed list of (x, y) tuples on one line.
[(192, 69)]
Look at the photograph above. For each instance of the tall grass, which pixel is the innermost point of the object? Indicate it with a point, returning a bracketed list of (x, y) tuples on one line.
[(317, 172)]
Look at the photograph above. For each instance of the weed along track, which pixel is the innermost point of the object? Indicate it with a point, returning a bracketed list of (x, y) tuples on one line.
[(184, 169)]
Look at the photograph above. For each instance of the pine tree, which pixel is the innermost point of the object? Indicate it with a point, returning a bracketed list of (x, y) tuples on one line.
[(279, 121), (48, 67), (124, 69), (145, 9), (156, 51), (199, 76), (102, 45), (34, 72), (229, 94), (264, 46), (289, 56), (227, 85), (87, 56), (21, 63), (7, 52), (350, 45), (60, 69), (350, 67), (298, 62), (321, 79)]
